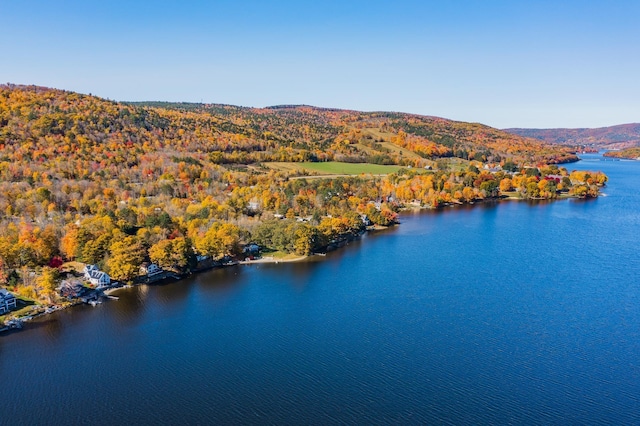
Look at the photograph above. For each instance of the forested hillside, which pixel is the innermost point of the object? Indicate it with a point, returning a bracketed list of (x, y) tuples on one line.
[(360, 136), (629, 153), (116, 184)]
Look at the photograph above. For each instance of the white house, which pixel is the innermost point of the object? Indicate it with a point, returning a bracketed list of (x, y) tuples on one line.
[(88, 269), (96, 276), (99, 279), (150, 269), (7, 301)]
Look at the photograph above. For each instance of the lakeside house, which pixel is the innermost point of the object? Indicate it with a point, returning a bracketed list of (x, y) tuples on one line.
[(150, 273), (204, 262), (71, 288), (7, 301), (251, 249), (96, 277), (150, 269)]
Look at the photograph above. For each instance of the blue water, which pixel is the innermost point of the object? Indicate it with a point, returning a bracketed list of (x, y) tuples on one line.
[(520, 313)]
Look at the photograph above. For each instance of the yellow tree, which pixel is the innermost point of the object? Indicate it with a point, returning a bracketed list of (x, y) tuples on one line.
[(170, 254), (47, 283), (506, 185), (304, 239), (468, 194), (125, 258)]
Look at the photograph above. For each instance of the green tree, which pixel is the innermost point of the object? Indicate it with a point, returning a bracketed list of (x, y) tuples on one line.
[(305, 238), (532, 190)]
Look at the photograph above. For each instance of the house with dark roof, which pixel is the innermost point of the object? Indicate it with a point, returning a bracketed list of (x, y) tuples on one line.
[(71, 289), (7, 301), (150, 269), (96, 276)]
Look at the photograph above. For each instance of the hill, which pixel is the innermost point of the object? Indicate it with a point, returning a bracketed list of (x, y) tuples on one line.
[(115, 184), (378, 137), (614, 137), (632, 153)]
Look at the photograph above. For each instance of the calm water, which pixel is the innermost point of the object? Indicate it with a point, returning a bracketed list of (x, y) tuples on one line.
[(511, 313)]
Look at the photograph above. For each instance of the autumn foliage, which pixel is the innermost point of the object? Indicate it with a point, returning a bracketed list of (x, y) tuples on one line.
[(116, 184)]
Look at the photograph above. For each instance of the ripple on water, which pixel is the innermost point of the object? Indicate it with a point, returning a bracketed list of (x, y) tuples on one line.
[(500, 314)]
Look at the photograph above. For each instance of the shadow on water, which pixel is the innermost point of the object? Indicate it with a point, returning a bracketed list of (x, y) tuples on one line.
[(53, 327), (130, 304), (301, 272), (583, 200), (172, 293), (220, 283)]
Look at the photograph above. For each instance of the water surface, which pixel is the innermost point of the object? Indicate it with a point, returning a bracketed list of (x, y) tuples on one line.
[(500, 313)]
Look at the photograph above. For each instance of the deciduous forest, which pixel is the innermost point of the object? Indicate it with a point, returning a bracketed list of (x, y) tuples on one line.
[(117, 184)]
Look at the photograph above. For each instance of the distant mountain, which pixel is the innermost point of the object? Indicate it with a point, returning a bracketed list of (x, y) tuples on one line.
[(614, 137), (39, 125)]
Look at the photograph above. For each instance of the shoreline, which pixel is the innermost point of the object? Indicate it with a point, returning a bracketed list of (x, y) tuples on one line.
[(271, 259), (413, 207), (290, 258)]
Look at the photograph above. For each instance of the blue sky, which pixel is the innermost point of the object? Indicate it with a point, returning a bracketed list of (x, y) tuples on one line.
[(502, 63)]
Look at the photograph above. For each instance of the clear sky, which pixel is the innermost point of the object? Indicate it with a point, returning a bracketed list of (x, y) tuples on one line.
[(505, 63)]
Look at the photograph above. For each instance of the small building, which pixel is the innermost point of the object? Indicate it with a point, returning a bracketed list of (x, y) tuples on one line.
[(204, 262), (251, 248), (7, 301), (150, 269)]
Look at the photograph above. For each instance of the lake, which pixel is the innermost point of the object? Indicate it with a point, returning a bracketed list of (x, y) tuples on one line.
[(512, 312)]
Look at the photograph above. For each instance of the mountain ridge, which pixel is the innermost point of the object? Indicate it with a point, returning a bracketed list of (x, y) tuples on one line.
[(610, 137), (308, 133)]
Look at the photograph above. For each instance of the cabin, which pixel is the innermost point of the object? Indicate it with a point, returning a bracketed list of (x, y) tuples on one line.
[(7, 301), (251, 249), (150, 269), (204, 262)]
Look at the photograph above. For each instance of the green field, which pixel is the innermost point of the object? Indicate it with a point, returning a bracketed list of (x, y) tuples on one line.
[(335, 168)]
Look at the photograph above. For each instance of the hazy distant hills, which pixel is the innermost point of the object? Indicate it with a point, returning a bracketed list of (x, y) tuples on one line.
[(614, 137)]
